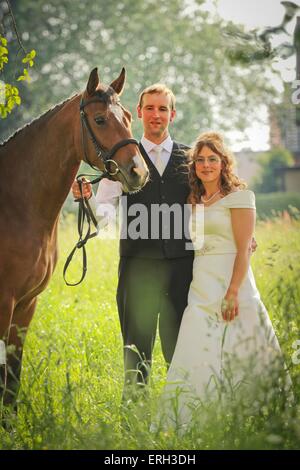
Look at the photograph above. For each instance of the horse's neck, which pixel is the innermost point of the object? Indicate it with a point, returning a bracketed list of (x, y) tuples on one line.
[(43, 162)]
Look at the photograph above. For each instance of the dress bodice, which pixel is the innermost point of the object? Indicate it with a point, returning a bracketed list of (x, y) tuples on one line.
[(218, 234)]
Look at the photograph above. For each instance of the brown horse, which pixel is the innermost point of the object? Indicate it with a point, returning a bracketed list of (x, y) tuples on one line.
[(38, 165)]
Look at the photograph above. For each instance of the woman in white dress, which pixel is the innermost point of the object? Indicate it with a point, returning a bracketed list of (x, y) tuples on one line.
[(226, 343)]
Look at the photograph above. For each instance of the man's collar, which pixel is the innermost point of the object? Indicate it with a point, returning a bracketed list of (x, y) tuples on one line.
[(167, 144)]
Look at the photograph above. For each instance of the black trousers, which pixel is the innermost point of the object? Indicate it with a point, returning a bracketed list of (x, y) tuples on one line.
[(150, 290)]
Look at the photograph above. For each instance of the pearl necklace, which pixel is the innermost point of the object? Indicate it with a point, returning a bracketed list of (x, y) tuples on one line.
[(211, 197)]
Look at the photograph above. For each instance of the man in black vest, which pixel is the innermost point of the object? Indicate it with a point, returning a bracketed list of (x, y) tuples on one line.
[(155, 268)]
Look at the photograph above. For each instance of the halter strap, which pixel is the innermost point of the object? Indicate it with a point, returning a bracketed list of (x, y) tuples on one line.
[(102, 152), (85, 212)]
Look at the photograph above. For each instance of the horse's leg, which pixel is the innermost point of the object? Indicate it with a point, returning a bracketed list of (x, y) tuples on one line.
[(6, 313), (21, 318)]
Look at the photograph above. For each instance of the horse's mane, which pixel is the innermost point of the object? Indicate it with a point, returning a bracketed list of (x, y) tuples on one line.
[(50, 112)]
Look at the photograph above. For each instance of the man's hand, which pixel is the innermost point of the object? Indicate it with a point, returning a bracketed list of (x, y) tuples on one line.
[(86, 189)]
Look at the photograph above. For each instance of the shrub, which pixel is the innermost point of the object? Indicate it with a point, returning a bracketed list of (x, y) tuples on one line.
[(274, 204)]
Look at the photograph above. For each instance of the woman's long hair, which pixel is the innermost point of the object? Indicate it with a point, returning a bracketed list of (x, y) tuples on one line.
[(229, 181)]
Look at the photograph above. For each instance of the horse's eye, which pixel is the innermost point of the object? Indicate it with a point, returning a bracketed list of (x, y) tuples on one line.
[(100, 121)]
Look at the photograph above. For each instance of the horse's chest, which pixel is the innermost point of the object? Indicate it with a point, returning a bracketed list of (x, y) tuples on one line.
[(30, 263), (43, 257)]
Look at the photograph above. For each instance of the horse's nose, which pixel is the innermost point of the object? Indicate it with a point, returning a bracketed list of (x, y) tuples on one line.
[(138, 167), (137, 174), (137, 170)]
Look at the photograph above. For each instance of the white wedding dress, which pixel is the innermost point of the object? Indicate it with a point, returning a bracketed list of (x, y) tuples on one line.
[(214, 359)]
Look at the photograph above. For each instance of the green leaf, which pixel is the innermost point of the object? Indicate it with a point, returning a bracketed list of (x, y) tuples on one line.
[(3, 40), (10, 104), (3, 112)]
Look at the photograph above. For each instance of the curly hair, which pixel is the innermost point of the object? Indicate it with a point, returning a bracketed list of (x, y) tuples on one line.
[(229, 181)]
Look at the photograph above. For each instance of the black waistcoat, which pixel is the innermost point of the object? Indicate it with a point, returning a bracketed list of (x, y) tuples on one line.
[(141, 234)]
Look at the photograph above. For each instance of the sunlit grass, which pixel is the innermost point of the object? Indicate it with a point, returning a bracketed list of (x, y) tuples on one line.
[(73, 366)]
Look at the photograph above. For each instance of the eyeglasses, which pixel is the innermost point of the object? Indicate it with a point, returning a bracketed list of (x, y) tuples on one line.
[(213, 160)]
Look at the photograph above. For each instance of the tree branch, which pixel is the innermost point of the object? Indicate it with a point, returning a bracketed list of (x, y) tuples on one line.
[(15, 27)]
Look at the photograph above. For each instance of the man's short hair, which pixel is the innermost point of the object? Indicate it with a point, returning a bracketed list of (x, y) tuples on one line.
[(158, 88)]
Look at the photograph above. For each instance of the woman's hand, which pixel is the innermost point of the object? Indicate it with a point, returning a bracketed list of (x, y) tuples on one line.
[(230, 305)]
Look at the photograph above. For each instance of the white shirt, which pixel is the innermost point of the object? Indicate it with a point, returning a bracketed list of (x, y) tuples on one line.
[(166, 146), (106, 201)]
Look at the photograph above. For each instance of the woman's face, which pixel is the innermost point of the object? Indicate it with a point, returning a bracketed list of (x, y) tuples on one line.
[(208, 165)]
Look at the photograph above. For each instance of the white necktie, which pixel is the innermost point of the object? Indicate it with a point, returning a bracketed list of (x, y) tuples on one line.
[(160, 166)]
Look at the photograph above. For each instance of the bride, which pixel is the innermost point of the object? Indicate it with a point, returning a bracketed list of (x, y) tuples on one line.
[(226, 344)]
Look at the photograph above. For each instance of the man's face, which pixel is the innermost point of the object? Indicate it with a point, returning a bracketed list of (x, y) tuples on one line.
[(156, 115)]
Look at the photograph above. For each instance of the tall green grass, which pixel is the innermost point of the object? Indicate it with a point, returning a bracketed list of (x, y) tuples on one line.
[(72, 374)]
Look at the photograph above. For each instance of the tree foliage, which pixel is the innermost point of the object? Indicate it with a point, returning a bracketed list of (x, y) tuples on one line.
[(269, 180), (9, 90), (173, 42), (256, 45)]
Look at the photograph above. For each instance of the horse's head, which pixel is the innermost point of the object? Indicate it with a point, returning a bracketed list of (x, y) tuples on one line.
[(106, 133)]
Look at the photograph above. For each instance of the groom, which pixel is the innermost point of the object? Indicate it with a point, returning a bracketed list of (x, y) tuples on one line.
[(155, 272)]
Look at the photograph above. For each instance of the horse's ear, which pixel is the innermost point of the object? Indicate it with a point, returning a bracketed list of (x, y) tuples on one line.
[(118, 84), (93, 82)]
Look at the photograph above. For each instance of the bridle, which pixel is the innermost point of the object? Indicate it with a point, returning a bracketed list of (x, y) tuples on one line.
[(84, 211), (105, 155)]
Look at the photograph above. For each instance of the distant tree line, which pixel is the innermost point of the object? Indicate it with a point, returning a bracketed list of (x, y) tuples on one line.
[(173, 42)]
